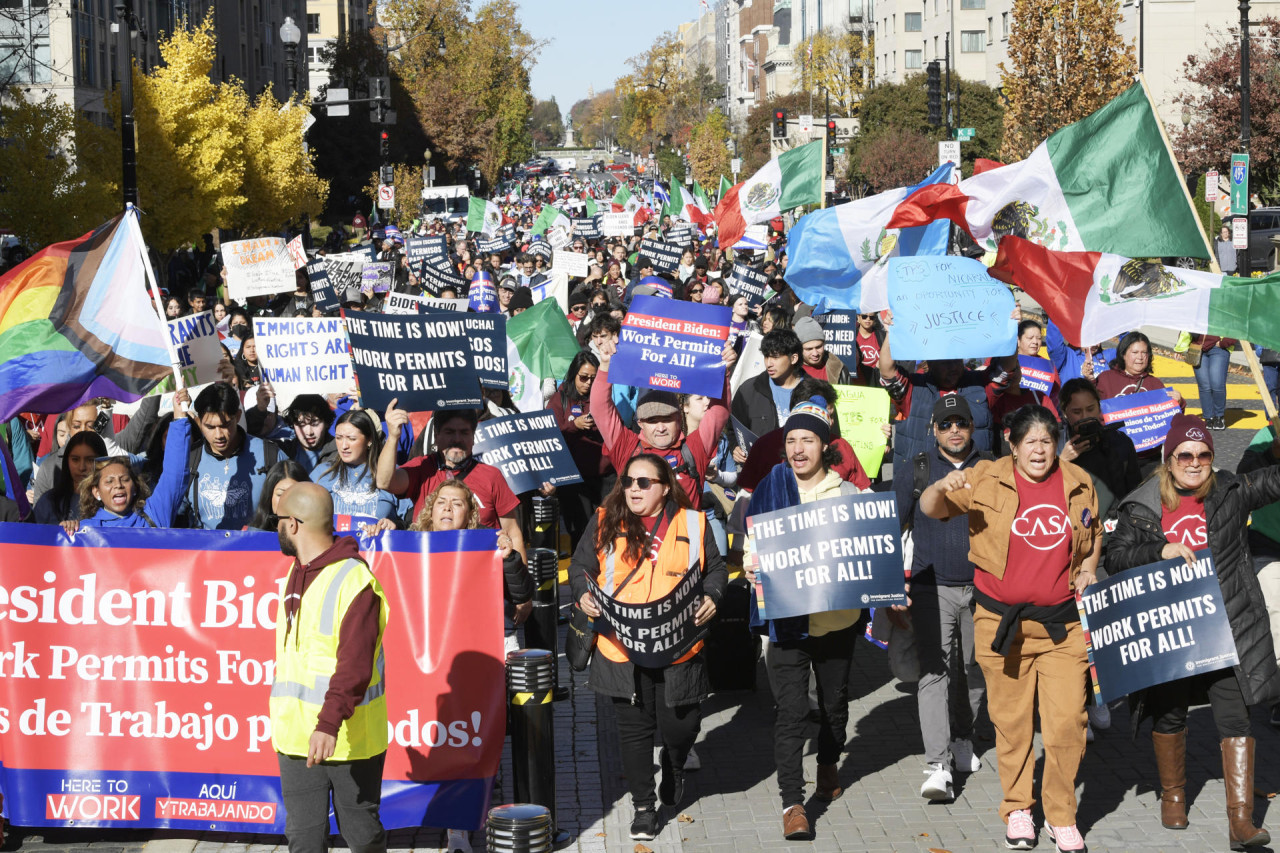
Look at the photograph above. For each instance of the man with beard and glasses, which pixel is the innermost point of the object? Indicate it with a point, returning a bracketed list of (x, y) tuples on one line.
[(334, 616), (455, 432)]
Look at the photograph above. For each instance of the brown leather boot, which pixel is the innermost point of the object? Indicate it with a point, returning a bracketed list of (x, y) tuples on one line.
[(828, 787), (1171, 762), (1237, 773), (795, 824)]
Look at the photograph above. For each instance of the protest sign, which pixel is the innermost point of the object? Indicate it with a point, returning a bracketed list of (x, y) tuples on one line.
[(1146, 416), (588, 229), (482, 296), (835, 554), (493, 245), (345, 274), (745, 436), (657, 633), (297, 252), (402, 303), (432, 249), (948, 307), (529, 449), (862, 412), (540, 248), (430, 304), (665, 256), (195, 341), (424, 360), (487, 340), (571, 263), (749, 282), (321, 287), (376, 277), (303, 355), (1038, 374), (621, 224), (840, 328), (680, 236), (258, 267), (674, 346), (435, 280), (1154, 624), (144, 701)]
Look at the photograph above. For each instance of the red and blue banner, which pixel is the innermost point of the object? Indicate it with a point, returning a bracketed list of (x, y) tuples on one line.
[(1038, 374), (673, 346), (1146, 416), (139, 664)]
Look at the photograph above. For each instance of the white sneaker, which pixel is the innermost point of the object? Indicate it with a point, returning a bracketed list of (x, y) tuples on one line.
[(692, 761), (459, 841), (963, 757), (1100, 717), (938, 785)]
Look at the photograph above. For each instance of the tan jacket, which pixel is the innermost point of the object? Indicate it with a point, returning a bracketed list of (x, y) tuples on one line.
[(992, 505)]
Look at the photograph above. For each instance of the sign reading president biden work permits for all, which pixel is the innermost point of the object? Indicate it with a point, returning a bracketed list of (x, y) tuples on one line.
[(836, 554), (1154, 624), (424, 361), (673, 346), (529, 449)]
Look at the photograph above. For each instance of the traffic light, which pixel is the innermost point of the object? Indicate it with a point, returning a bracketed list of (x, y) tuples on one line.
[(384, 145), (380, 95), (831, 130), (935, 93), (386, 174), (779, 124)]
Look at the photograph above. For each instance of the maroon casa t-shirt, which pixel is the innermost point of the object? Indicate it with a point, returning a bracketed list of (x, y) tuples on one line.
[(1038, 570), (1186, 523)]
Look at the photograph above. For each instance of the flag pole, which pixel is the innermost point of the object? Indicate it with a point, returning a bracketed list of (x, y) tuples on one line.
[(131, 215), (1255, 368)]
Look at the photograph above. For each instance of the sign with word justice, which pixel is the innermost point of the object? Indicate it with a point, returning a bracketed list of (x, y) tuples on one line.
[(1146, 416), (836, 554), (528, 449), (948, 307), (135, 690), (674, 346), (656, 633), (1154, 624), (303, 355)]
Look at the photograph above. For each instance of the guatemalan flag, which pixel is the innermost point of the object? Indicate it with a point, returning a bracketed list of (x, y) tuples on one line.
[(839, 257)]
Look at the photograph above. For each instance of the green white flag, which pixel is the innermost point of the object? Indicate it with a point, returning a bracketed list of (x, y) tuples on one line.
[(483, 216), (540, 345)]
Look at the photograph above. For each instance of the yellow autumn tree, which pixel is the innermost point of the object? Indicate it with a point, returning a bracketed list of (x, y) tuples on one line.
[(280, 184), (1065, 61), (47, 196), (709, 149), (840, 65), (650, 91), (408, 184)]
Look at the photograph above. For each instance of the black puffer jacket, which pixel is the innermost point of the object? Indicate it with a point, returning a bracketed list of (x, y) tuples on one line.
[(1138, 540)]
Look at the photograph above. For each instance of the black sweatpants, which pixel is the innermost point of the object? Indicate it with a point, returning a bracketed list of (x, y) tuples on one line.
[(1168, 703), (357, 791), (637, 724)]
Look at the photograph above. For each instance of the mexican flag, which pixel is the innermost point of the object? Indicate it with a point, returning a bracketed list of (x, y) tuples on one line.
[(552, 217), (1093, 296), (483, 216), (788, 180), (685, 205), (625, 200), (1104, 184), (725, 186), (701, 200), (592, 208), (540, 345)]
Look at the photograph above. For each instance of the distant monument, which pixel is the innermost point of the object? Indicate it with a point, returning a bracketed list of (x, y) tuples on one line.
[(568, 135)]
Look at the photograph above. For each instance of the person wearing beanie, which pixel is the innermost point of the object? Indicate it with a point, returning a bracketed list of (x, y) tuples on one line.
[(1188, 507), (521, 300), (815, 360), (821, 643), (578, 302)]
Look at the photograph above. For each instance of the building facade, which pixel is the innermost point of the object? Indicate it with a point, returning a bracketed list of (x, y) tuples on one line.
[(326, 22)]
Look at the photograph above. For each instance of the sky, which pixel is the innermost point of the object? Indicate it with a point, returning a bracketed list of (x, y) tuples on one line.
[(591, 40)]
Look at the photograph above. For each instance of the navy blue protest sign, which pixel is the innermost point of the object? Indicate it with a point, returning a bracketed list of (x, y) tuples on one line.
[(542, 249), (587, 229), (657, 633), (497, 245), (433, 249), (424, 360), (1038, 374), (840, 328), (749, 282), (486, 341), (1155, 624), (837, 554), (948, 307), (1146, 416), (434, 280), (674, 346), (665, 256), (321, 287), (529, 450), (746, 438)]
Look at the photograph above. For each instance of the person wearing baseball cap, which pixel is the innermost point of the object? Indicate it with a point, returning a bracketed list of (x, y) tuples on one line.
[(1186, 508), (821, 643)]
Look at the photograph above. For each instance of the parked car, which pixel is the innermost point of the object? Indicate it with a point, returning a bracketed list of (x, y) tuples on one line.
[(597, 166), (12, 252), (1263, 224)]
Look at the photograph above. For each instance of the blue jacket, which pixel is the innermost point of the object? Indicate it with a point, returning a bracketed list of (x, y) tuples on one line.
[(1068, 359), (167, 496), (941, 547)]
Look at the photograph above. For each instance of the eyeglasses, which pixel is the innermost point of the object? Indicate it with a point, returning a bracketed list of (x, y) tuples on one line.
[(953, 423), (577, 308), (866, 316), (645, 483), (1185, 458)]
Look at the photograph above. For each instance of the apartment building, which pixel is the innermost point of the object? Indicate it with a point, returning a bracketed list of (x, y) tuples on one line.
[(326, 22)]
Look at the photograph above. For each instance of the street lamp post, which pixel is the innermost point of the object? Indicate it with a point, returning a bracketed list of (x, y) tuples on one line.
[(128, 153), (290, 36), (1242, 259), (426, 156)]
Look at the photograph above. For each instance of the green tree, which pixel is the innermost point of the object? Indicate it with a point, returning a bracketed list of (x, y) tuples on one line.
[(545, 125), (905, 106), (1066, 60), (754, 141), (709, 149)]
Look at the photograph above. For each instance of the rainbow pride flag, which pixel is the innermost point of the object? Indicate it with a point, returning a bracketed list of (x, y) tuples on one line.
[(76, 323)]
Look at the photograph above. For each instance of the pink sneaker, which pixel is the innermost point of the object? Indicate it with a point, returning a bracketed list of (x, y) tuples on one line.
[(1068, 838), (1021, 834)]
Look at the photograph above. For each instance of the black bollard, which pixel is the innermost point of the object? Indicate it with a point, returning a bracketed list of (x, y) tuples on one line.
[(540, 631), (518, 828), (531, 720), (545, 530)]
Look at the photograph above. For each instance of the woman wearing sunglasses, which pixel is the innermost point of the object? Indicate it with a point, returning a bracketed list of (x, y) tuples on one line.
[(638, 546), (1188, 507), (113, 495)]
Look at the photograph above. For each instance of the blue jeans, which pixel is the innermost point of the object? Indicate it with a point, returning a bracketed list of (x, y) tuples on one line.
[(1271, 378), (1211, 376)]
